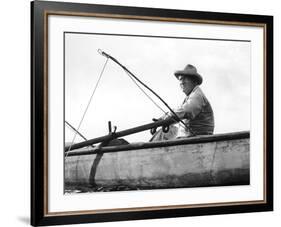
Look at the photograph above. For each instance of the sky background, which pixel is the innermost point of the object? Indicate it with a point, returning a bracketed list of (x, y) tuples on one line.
[(224, 65)]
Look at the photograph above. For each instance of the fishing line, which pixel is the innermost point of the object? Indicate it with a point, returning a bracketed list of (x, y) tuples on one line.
[(75, 130), (181, 124), (159, 107), (87, 107)]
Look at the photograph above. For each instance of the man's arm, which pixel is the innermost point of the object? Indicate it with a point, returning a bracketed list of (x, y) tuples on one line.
[(190, 108)]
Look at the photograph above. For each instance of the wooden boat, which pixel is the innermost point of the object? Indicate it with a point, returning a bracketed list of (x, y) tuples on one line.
[(215, 160)]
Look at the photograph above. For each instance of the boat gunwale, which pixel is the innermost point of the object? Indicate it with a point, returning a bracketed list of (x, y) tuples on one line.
[(166, 143)]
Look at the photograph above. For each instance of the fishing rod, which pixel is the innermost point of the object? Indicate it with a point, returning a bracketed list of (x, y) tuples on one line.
[(151, 126), (175, 116)]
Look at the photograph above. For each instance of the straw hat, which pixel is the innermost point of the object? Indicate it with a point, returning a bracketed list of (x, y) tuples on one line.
[(190, 71)]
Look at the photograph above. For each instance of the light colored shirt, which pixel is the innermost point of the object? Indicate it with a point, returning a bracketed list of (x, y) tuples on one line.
[(197, 114)]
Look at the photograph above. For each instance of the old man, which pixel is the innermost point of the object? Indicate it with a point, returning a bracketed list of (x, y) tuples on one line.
[(195, 112)]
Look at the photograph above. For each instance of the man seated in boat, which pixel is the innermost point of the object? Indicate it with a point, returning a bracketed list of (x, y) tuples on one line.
[(195, 112)]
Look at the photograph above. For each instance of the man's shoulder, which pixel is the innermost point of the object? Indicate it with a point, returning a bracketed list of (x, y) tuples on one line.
[(197, 92)]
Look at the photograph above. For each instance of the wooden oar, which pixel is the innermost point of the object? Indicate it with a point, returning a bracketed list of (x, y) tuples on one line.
[(126, 132)]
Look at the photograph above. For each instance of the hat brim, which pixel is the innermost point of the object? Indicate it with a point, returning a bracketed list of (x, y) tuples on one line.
[(195, 76)]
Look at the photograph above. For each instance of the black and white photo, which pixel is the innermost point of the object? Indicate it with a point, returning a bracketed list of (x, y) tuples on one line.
[(128, 80)]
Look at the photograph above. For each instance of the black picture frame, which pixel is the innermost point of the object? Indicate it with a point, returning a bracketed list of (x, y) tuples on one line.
[(40, 11)]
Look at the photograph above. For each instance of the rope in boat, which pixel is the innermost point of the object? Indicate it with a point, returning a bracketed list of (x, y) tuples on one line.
[(87, 107)]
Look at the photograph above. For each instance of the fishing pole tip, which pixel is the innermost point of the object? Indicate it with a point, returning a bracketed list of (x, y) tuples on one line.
[(103, 53), (100, 51)]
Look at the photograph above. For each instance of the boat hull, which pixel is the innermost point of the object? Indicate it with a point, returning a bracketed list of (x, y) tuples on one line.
[(187, 164)]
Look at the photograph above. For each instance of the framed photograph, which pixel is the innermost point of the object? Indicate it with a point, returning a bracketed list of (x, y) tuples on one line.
[(141, 113)]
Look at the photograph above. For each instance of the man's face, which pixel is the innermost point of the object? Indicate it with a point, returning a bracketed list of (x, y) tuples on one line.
[(186, 84)]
